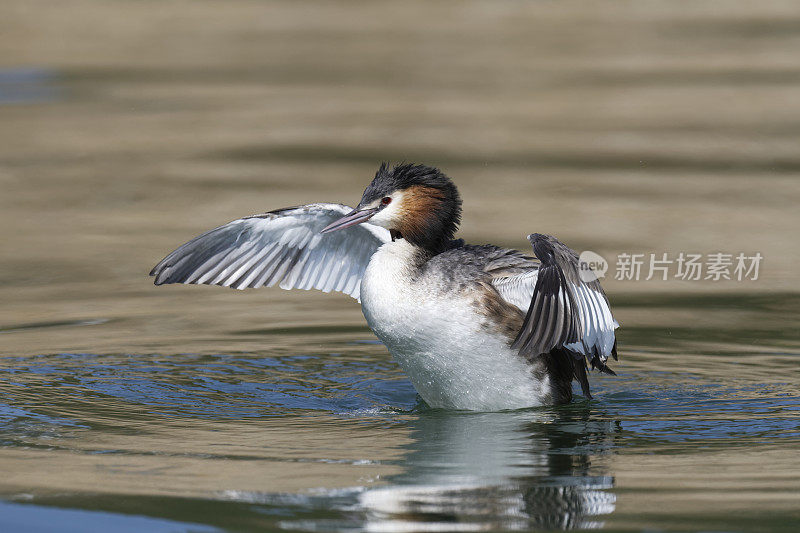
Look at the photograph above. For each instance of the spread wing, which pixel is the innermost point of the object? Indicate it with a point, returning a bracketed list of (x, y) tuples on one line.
[(280, 247), (563, 311)]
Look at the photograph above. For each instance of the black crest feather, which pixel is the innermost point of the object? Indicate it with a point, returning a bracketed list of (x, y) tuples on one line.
[(436, 231)]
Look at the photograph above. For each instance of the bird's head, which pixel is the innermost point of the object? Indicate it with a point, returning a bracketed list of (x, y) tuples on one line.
[(415, 202)]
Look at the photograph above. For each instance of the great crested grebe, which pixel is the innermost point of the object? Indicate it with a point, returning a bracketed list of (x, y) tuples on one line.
[(474, 327)]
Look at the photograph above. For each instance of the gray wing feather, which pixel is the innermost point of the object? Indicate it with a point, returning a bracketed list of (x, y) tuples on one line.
[(517, 289), (562, 310), (282, 247), (552, 319)]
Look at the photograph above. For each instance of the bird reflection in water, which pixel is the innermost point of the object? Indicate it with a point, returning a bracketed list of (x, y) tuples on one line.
[(518, 470)]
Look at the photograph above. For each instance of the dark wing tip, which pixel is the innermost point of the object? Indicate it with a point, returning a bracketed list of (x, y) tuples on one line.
[(172, 269), (552, 319), (542, 247), (158, 273)]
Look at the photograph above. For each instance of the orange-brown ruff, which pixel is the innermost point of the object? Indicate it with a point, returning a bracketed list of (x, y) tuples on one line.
[(473, 327), (419, 205)]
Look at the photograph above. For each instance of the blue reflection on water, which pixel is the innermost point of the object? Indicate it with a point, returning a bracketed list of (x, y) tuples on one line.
[(648, 405), (24, 85), (36, 518), (539, 468), (218, 387)]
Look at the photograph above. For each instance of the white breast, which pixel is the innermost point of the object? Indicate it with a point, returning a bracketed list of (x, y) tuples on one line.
[(439, 339)]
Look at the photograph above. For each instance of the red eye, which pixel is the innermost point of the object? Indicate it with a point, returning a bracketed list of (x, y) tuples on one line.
[(386, 200)]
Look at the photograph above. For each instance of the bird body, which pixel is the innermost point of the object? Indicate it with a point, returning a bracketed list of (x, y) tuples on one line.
[(453, 354), (473, 327)]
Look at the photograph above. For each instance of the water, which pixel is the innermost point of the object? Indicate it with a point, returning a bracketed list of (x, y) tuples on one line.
[(700, 426), (125, 130)]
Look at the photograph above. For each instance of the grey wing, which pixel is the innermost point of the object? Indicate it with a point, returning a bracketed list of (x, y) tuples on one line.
[(513, 275), (562, 310), (517, 289), (281, 247)]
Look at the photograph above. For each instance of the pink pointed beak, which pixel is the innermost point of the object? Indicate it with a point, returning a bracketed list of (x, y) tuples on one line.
[(357, 216)]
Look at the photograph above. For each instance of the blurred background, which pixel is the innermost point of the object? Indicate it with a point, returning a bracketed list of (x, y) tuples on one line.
[(128, 127), (621, 127)]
